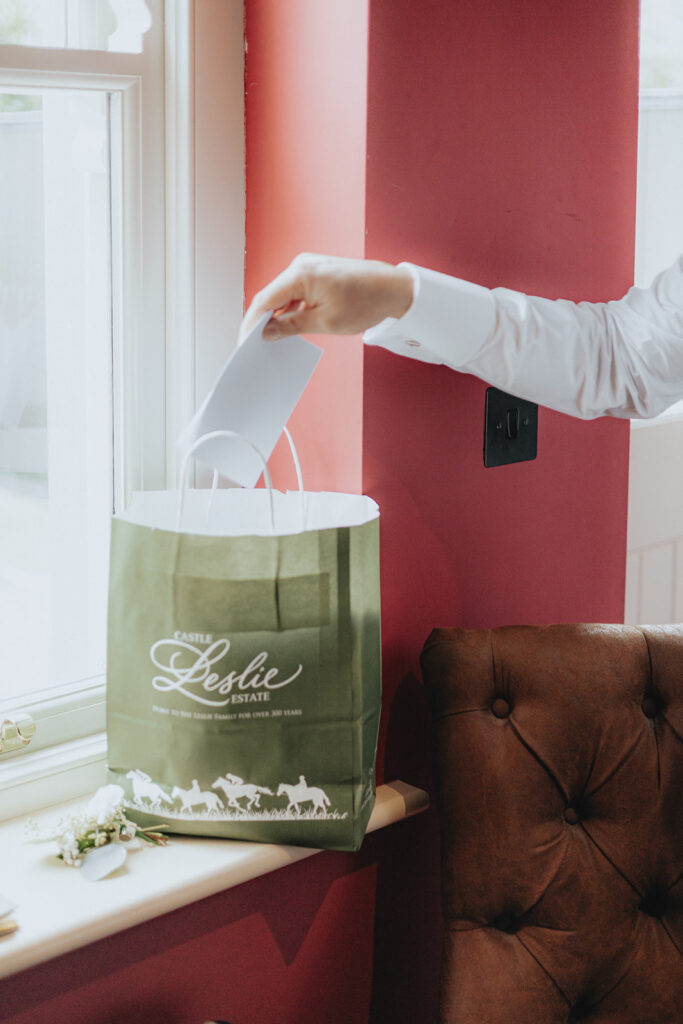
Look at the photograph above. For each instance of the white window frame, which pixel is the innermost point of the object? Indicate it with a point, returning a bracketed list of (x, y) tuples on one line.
[(177, 297)]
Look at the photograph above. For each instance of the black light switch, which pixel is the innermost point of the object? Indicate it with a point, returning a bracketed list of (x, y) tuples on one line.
[(510, 429)]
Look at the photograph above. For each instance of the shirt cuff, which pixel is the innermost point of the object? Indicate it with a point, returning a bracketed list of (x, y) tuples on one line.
[(449, 320)]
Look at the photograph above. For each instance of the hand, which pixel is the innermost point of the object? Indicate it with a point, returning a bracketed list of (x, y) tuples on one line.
[(330, 295)]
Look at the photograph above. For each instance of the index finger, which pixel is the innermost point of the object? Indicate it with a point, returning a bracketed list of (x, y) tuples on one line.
[(287, 287)]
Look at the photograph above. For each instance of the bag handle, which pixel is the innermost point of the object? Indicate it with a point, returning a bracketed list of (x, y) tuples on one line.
[(266, 476), (299, 481)]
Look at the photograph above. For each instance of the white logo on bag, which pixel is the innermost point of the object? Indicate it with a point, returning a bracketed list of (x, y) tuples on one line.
[(304, 802), (171, 656)]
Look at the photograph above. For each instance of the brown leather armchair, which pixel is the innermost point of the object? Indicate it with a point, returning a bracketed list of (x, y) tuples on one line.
[(559, 756)]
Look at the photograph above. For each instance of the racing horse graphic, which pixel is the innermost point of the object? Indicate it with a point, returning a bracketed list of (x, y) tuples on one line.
[(195, 797), (146, 790), (235, 788), (302, 793)]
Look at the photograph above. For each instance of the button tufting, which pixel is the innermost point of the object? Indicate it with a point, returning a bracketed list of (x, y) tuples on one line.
[(500, 707), (578, 1012), (654, 902), (649, 707), (571, 816), (506, 923)]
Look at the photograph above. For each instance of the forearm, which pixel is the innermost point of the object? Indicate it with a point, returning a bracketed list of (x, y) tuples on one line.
[(621, 358)]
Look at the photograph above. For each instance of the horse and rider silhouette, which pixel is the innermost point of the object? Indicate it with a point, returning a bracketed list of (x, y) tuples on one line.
[(302, 793), (234, 789), (195, 797)]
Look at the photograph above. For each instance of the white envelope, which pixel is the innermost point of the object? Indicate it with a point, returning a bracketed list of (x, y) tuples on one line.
[(255, 395)]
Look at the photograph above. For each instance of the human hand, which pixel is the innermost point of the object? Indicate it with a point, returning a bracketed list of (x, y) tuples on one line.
[(330, 295)]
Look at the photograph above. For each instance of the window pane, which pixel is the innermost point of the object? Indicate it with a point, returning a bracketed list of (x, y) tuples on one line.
[(661, 44), (56, 456), (114, 25), (660, 139)]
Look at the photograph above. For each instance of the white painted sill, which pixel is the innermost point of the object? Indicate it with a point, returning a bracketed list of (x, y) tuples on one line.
[(59, 911)]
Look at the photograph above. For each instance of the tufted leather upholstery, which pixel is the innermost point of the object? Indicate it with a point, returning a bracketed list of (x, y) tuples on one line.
[(559, 753)]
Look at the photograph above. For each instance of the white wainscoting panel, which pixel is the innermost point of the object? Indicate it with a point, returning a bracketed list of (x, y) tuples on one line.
[(654, 567)]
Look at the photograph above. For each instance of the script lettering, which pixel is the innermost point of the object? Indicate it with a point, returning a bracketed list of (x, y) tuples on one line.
[(189, 670)]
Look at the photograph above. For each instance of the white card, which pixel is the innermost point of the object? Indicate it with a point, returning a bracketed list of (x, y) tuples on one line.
[(255, 395)]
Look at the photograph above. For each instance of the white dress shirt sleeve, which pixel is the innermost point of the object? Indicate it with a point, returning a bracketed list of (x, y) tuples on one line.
[(621, 358)]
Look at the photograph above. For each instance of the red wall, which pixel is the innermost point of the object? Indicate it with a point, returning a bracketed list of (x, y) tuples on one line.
[(496, 141), (501, 148)]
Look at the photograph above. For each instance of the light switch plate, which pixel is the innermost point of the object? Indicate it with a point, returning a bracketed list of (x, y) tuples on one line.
[(510, 429)]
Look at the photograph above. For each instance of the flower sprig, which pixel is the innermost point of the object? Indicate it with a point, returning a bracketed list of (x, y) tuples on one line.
[(102, 822)]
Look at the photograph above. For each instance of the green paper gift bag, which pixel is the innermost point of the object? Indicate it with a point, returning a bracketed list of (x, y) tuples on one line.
[(244, 664)]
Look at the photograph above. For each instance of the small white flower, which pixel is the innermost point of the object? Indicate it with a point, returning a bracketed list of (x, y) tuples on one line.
[(102, 823), (34, 834), (68, 847)]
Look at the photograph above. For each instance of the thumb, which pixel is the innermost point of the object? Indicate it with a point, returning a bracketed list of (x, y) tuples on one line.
[(280, 294), (287, 321)]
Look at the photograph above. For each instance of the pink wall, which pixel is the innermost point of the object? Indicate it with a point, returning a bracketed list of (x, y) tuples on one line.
[(499, 141), (306, 86)]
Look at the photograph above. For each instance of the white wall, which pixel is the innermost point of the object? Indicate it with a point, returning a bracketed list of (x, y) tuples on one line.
[(654, 568)]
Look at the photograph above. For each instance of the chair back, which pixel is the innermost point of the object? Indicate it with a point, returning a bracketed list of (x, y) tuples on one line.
[(559, 759)]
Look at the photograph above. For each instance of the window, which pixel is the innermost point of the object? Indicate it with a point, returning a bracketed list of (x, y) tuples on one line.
[(113, 261), (660, 138), (113, 25), (654, 576)]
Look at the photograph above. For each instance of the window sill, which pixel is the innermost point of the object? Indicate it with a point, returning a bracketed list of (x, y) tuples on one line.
[(50, 777), (59, 911)]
